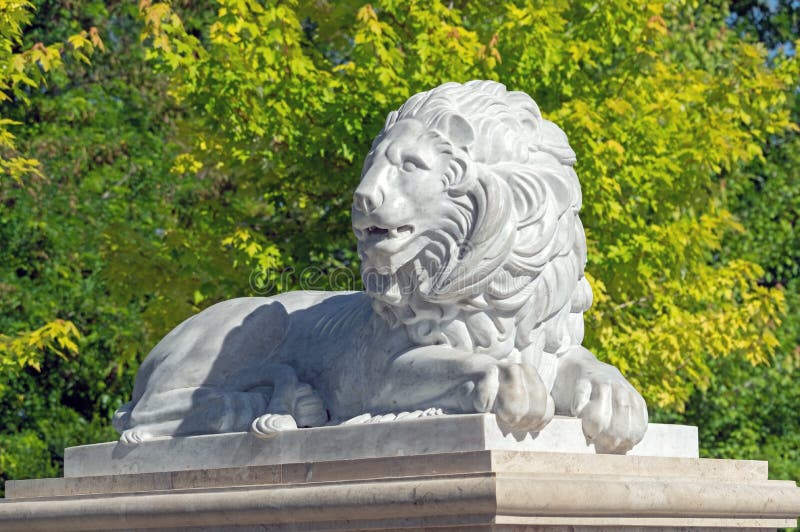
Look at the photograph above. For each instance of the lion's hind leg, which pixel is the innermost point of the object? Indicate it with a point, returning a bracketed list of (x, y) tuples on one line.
[(277, 401), (293, 404), (122, 417), (189, 411)]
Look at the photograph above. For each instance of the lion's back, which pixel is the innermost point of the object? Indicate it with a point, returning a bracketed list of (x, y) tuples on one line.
[(228, 342)]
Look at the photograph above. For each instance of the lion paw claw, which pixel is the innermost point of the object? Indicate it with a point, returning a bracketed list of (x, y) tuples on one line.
[(269, 425), (134, 437)]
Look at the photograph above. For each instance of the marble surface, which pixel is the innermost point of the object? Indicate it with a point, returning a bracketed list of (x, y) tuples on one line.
[(479, 490), (472, 256), (423, 436), (532, 463)]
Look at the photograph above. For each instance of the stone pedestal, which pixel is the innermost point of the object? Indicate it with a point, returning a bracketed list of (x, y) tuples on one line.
[(429, 435), (438, 473)]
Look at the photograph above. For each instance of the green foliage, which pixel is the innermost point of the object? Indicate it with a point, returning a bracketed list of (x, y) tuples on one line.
[(96, 133), (750, 412), (25, 349), (21, 73), (213, 146), (775, 23), (24, 455)]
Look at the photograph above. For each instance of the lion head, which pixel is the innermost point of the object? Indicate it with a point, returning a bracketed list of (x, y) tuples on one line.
[(468, 228)]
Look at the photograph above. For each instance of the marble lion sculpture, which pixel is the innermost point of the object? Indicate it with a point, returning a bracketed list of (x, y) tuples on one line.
[(473, 259)]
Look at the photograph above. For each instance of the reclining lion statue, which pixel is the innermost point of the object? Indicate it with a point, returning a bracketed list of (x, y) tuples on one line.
[(473, 259)]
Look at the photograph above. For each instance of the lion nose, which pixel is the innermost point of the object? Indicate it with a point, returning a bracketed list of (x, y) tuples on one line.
[(367, 200)]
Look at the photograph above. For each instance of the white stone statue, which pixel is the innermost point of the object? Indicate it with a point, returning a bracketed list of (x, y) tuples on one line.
[(473, 259)]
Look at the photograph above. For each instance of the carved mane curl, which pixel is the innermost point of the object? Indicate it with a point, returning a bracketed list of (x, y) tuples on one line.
[(505, 273)]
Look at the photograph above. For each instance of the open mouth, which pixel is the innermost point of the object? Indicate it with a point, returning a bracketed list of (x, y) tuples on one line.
[(380, 233)]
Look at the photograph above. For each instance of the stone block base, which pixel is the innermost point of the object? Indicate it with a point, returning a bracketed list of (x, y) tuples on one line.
[(443, 473), (478, 490), (439, 434)]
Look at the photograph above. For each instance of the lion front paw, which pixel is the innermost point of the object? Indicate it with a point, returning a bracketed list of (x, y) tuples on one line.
[(516, 395), (269, 425), (612, 412)]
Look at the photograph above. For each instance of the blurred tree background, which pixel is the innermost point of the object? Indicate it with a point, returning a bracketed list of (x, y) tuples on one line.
[(159, 158)]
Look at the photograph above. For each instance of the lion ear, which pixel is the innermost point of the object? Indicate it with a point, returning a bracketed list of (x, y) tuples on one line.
[(459, 131)]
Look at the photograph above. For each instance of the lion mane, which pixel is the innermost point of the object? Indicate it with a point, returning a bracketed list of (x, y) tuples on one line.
[(504, 273)]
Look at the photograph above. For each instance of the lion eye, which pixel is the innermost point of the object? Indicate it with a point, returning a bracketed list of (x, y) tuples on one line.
[(409, 166), (412, 162)]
